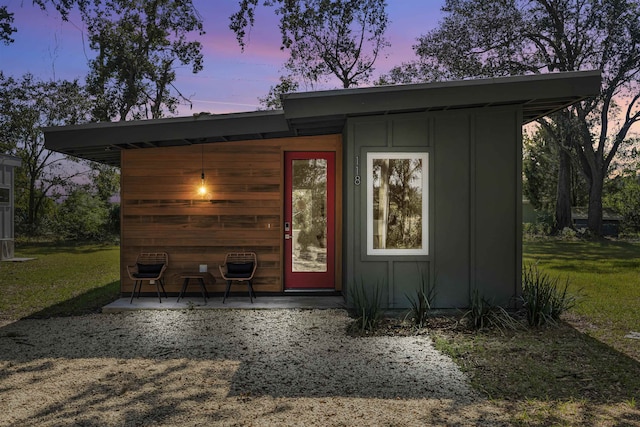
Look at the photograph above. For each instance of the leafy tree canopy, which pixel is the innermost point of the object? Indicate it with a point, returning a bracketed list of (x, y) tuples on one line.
[(6, 19), (273, 100), (82, 216), (482, 38), (62, 6), (623, 197), (28, 105), (341, 38), (540, 169), (139, 44)]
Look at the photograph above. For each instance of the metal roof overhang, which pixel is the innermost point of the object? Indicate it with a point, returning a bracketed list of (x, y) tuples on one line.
[(325, 112)]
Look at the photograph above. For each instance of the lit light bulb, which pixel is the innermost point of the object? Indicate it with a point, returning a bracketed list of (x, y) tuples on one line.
[(203, 189)]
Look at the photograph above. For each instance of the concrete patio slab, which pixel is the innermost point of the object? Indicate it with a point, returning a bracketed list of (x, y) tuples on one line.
[(233, 302)]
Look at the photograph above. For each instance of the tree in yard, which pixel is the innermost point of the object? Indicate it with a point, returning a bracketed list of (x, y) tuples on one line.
[(105, 184), (340, 38), (623, 197), (105, 180), (622, 193), (273, 100), (483, 38), (540, 170), (62, 6), (26, 107), (83, 216), (139, 44), (6, 19)]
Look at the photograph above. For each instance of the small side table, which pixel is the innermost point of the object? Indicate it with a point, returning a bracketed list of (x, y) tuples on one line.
[(201, 278)]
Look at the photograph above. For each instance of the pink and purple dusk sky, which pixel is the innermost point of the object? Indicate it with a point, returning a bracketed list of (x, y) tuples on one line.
[(231, 81)]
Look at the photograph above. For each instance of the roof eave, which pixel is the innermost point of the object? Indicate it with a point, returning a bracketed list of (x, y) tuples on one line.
[(315, 113), (566, 88), (102, 142)]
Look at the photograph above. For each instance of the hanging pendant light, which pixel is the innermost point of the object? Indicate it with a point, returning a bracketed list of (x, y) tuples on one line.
[(202, 190)]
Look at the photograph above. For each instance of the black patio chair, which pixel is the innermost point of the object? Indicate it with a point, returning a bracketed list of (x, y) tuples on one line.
[(150, 267), (239, 267)]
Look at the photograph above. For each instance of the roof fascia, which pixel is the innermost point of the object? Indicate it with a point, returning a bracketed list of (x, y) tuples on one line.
[(443, 95), (194, 128)]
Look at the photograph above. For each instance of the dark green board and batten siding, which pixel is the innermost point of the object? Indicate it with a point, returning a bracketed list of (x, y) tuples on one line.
[(474, 205)]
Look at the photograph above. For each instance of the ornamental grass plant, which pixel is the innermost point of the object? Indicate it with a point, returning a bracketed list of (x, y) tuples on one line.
[(366, 307), (421, 303), (482, 314), (544, 298)]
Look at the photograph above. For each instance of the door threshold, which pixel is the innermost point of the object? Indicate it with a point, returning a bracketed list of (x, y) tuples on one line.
[(312, 291)]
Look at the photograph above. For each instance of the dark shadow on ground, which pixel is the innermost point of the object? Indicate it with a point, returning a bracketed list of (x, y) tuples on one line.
[(89, 302), (35, 249), (571, 255), (555, 363)]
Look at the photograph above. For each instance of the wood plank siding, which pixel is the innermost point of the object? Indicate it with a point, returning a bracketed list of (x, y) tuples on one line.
[(163, 212)]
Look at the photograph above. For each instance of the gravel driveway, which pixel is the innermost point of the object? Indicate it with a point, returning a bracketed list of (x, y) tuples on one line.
[(226, 367)]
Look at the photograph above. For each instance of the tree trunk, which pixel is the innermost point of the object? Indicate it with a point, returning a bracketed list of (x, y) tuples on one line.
[(563, 199), (383, 202), (594, 221), (31, 207)]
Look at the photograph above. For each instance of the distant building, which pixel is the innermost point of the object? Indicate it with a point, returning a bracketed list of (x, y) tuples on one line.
[(7, 178), (610, 220)]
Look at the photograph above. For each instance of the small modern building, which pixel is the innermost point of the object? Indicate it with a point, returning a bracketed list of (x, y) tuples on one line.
[(611, 220), (392, 186), (7, 204)]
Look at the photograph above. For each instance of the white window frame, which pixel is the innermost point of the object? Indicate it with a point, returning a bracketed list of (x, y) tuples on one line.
[(424, 156)]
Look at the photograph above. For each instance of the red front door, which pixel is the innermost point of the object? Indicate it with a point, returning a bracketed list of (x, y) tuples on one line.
[(309, 224)]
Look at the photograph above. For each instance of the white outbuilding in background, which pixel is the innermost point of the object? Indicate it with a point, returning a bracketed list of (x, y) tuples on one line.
[(7, 204)]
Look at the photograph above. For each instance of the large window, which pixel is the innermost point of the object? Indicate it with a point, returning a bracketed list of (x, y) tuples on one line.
[(397, 195)]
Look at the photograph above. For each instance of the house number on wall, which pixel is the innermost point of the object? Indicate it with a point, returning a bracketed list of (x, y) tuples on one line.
[(356, 180)]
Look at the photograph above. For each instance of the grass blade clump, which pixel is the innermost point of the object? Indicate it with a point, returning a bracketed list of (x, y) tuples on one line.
[(544, 299), (483, 314), (421, 303), (366, 307), (420, 308)]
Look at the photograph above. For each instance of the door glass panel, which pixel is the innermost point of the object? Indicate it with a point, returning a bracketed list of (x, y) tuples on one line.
[(309, 215)]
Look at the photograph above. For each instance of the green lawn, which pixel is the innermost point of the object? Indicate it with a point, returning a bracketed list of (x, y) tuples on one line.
[(606, 278), (63, 279)]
